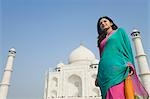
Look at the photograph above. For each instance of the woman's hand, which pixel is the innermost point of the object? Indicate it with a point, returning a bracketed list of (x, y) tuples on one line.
[(130, 71)]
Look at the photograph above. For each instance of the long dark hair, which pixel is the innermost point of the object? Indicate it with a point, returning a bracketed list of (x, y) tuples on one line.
[(102, 33)]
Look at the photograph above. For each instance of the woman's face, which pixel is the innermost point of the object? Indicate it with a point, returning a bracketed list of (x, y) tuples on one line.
[(105, 24)]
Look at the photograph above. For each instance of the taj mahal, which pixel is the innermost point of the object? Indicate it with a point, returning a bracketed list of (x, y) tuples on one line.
[(76, 79)]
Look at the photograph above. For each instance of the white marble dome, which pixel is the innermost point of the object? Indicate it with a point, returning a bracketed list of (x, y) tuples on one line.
[(81, 54)]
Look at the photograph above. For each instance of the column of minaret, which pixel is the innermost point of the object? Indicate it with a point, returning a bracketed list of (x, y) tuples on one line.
[(144, 71), (5, 83)]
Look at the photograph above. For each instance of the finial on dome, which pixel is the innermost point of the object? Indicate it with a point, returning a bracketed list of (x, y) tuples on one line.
[(81, 43)]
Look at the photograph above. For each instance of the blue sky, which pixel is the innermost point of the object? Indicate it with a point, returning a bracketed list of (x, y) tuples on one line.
[(44, 32)]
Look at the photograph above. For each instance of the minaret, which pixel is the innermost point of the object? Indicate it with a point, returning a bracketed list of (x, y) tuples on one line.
[(46, 85), (4, 85), (144, 71)]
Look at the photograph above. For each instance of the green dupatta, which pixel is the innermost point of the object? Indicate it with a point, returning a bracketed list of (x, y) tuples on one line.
[(113, 67)]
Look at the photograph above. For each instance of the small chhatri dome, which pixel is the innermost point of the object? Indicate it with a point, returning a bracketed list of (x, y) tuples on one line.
[(60, 64), (81, 54), (135, 32), (12, 50)]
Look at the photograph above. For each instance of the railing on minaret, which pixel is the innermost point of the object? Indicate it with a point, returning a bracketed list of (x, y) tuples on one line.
[(144, 71), (5, 83)]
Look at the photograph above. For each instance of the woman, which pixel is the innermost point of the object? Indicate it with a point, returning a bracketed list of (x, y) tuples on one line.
[(116, 76)]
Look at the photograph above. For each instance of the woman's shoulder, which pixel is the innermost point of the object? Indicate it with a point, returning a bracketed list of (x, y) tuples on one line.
[(121, 29), (122, 32)]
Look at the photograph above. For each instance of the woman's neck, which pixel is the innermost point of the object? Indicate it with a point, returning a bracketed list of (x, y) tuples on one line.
[(109, 31)]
